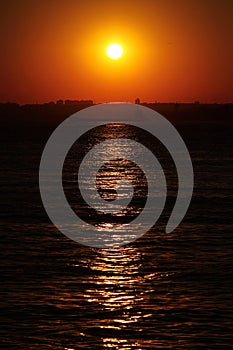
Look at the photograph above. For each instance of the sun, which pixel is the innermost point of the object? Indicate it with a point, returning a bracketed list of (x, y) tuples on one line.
[(114, 51)]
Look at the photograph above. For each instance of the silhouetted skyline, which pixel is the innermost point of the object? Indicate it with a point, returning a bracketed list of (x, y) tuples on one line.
[(56, 112)]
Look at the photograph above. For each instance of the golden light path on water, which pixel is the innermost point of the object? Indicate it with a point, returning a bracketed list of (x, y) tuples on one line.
[(119, 288), (115, 293)]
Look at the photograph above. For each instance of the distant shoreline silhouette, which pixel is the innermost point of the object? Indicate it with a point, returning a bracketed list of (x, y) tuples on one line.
[(55, 112)]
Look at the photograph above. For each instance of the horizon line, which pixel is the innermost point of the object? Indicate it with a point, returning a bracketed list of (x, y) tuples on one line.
[(65, 102)]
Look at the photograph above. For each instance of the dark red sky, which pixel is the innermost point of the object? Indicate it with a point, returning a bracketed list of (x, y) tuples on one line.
[(173, 50)]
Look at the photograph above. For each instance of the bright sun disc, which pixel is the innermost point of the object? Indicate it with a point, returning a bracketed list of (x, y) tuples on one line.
[(114, 51)]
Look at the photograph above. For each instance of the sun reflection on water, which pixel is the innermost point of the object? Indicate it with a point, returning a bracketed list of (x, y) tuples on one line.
[(120, 344), (117, 273), (117, 284)]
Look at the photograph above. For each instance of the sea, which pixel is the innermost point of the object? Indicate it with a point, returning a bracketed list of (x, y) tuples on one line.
[(161, 291)]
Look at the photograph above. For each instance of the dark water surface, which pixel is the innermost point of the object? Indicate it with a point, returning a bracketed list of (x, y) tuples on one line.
[(160, 292)]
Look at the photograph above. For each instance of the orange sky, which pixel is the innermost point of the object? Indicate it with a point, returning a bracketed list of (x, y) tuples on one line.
[(173, 50)]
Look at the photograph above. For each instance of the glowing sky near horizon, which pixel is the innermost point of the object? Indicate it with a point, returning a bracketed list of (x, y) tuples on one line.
[(173, 51)]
